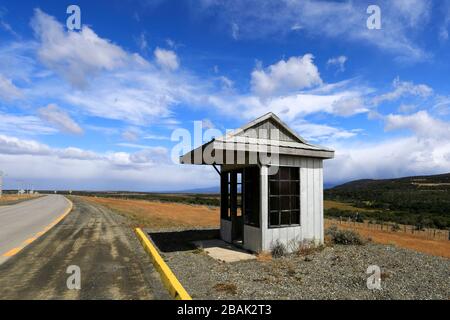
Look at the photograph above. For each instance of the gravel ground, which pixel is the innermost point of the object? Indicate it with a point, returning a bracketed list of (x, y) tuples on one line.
[(337, 272)]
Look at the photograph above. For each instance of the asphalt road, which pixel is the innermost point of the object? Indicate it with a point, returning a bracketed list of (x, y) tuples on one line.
[(112, 263), (23, 221)]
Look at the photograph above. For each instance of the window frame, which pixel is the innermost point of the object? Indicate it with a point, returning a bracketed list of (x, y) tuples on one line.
[(278, 195)]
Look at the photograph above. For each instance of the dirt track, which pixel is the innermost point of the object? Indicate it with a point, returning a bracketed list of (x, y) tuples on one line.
[(112, 262)]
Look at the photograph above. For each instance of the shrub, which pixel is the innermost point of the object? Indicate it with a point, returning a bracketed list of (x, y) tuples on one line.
[(344, 236), (229, 288), (306, 247), (278, 249)]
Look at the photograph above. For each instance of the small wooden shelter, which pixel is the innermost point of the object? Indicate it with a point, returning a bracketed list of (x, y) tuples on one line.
[(271, 184)]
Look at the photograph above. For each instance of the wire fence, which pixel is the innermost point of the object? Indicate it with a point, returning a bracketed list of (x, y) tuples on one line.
[(425, 233)]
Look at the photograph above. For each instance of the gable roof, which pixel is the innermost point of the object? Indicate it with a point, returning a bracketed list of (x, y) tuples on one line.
[(249, 138), (267, 118)]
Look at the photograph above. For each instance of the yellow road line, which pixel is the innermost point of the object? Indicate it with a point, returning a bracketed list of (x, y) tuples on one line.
[(16, 250), (171, 282), (12, 252)]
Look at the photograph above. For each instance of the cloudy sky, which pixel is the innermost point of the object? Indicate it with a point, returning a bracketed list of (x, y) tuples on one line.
[(95, 108)]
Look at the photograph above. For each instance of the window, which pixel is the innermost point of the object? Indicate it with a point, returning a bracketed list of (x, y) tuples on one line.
[(251, 196), (284, 197)]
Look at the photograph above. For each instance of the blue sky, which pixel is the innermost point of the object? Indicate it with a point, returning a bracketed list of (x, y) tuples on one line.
[(95, 108)]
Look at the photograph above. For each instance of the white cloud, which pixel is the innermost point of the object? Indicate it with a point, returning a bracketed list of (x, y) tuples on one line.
[(74, 168), (227, 84), (344, 20), (58, 117), (12, 145), (8, 91), (23, 125), (388, 159), (150, 155), (404, 88), (147, 156), (167, 59), (407, 108), (339, 62), (414, 12), (421, 123), (349, 106), (337, 101), (131, 134), (321, 132), (155, 137), (136, 97), (76, 55), (294, 74)]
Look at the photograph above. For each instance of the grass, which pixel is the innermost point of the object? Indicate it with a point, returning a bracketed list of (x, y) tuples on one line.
[(414, 242), (331, 204), (7, 199), (155, 214)]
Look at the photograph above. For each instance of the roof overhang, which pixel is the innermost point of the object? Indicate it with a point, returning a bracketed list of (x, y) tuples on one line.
[(219, 152), (238, 145)]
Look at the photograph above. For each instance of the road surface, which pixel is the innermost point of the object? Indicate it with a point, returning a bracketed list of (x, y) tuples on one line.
[(23, 222), (112, 262)]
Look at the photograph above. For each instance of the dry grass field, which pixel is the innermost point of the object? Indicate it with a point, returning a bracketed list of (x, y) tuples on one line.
[(330, 204), (6, 199), (154, 214), (417, 241)]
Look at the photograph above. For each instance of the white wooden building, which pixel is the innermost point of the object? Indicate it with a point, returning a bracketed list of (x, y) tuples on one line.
[(271, 184)]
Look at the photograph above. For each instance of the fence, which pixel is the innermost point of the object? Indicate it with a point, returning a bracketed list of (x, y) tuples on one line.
[(426, 233)]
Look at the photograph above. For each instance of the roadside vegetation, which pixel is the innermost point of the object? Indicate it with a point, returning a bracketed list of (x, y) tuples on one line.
[(10, 199), (156, 214), (423, 202)]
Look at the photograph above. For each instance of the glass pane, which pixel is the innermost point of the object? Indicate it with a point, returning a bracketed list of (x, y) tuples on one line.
[(294, 173), (295, 217), (274, 188), (274, 204), (295, 188), (285, 218), (285, 203), (284, 173), (274, 218), (295, 203), (285, 190)]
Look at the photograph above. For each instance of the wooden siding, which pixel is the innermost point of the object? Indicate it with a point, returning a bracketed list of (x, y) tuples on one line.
[(225, 230), (265, 128), (311, 206), (252, 238)]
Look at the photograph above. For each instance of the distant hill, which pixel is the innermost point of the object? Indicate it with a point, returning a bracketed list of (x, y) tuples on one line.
[(426, 197), (433, 182), (207, 190)]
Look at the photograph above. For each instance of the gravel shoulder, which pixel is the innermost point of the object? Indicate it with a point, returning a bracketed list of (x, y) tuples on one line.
[(337, 272)]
